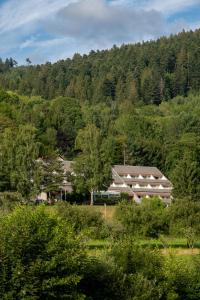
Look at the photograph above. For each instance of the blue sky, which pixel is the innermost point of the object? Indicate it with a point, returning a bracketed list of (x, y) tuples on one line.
[(49, 30)]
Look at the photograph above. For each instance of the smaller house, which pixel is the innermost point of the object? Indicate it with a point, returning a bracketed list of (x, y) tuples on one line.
[(66, 186)]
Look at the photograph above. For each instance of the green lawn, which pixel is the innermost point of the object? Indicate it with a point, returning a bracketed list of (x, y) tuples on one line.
[(175, 246)]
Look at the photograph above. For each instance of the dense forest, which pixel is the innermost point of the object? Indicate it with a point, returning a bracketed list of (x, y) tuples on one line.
[(149, 72)]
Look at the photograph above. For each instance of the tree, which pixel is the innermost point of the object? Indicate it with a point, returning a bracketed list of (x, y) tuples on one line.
[(92, 168), (186, 177), (66, 118), (52, 175), (142, 270), (18, 161), (147, 219), (40, 256), (28, 61), (184, 217)]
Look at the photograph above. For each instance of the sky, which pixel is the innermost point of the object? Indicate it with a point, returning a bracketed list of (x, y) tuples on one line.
[(49, 30)]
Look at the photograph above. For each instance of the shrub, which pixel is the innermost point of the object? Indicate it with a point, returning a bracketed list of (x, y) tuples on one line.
[(183, 214), (82, 218), (8, 200), (40, 257), (149, 218), (142, 270), (102, 280)]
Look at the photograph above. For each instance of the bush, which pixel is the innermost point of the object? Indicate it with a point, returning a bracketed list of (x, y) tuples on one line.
[(82, 218), (183, 214), (8, 200), (148, 219), (142, 270), (107, 201), (40, 256), (102, 280)]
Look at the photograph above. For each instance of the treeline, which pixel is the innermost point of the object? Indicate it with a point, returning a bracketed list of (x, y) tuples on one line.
[(149, 72)]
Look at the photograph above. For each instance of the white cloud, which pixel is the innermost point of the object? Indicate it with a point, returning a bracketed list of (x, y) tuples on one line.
[(52, 29), (164, 6), (17, 13), (97, 20), (170, 6)]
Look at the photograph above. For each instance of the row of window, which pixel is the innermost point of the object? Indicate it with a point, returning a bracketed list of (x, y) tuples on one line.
[(128, 176), (136, 186), (152, 196)]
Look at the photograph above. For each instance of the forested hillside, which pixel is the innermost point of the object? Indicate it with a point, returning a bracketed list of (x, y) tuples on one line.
[(166, 136), (147, 72), (103, 97)]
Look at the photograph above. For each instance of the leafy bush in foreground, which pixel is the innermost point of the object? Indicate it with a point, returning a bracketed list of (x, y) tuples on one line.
[(40, 256)]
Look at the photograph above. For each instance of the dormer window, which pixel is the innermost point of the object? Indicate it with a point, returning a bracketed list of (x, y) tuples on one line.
[(129, 176), (140, 177)]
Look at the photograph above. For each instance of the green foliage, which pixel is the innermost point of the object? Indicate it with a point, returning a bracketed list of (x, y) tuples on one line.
[(66, 119), (142, 269), (41, 257), (18, 166), (184, 215), (149, 72), (102, 280), (5, 97), (148, 218), (52, 175), (186, 177), (82, 218), (9, 200), (92, 167), (182, 278)]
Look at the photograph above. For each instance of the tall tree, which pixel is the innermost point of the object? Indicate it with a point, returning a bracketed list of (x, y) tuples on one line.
[(186, 177), (18, 166), (92, 168)]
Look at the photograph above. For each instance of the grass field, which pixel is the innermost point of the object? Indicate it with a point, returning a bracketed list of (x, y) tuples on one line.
[(175, 246), (107, 211), (166, 244)]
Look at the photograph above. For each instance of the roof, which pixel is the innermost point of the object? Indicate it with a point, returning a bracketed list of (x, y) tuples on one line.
[(137, 170)]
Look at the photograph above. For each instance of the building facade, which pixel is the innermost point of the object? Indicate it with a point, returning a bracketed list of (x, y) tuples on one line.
[(139, 182)]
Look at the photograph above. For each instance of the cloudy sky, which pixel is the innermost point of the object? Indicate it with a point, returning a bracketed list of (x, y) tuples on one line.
[(48, 30)]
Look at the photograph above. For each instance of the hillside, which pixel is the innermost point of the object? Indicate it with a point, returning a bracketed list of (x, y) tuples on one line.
[(149, 72), (105, 94)]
